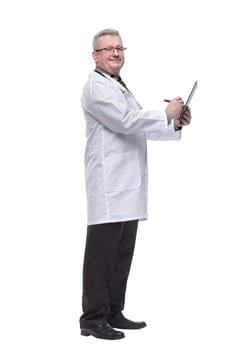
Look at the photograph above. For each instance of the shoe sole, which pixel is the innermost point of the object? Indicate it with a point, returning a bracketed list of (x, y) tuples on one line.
[(87, 333), (128, 328)]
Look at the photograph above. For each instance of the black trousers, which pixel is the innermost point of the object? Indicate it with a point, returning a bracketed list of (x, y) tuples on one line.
[(107, 261)]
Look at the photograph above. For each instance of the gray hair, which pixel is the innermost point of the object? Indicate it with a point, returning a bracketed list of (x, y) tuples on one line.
[(101, 33)]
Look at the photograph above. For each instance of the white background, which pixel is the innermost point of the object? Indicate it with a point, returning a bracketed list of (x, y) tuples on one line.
[(181, 278)]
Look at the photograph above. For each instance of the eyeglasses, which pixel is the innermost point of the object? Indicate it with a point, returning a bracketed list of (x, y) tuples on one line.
[(110, 49)]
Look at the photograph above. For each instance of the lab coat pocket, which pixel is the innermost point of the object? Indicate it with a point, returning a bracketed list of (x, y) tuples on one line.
[(122, 172)]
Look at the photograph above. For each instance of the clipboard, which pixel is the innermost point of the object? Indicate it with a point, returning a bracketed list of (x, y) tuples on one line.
[(188, 101)]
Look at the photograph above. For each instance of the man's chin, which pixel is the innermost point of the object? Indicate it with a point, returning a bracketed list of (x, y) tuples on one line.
[(116, 65)]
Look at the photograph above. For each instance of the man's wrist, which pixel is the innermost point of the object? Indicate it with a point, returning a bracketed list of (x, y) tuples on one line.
[(169, 117), (177, 128)]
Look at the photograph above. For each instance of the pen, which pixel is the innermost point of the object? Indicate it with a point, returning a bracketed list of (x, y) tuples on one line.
[(167, 100)]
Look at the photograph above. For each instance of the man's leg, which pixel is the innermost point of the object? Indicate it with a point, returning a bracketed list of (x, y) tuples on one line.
[(102, 244), (119, 276)]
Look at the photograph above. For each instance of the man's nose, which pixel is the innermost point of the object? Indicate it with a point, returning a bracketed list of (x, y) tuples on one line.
[(115, 51)]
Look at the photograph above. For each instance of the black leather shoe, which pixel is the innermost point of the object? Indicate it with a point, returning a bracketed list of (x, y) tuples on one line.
[(100, 329), (119, 321)]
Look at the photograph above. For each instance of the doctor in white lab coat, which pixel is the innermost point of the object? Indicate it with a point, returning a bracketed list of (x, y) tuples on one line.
[(117, 130)]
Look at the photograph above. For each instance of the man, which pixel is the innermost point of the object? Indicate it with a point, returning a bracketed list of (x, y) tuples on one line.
[(117, 130)]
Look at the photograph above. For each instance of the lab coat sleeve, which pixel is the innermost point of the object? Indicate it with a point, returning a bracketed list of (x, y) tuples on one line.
[(170, 134), (117, 110)]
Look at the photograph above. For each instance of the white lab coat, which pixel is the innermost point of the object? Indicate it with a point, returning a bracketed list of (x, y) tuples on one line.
[(117, 130)]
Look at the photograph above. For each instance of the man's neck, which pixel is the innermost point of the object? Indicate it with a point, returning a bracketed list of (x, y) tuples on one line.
[(106, 72)]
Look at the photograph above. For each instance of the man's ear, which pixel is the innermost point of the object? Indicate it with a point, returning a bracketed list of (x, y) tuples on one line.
[(94, 55)]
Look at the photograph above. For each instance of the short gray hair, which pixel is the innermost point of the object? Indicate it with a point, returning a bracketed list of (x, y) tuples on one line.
[(102, 33)]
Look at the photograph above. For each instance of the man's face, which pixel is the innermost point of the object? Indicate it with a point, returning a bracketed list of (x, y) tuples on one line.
[(110, 60)]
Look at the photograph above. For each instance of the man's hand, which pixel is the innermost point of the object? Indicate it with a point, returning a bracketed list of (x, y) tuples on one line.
[(186, 120), (174, 108)]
